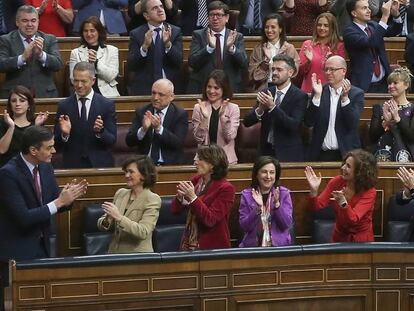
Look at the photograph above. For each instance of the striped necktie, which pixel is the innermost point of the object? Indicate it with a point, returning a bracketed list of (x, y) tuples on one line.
[(202, 14), (256, 15)]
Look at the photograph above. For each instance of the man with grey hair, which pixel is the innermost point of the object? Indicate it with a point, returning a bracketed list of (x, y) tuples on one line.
[(29, 57), (159, 129), (155, 50), (85, 127)]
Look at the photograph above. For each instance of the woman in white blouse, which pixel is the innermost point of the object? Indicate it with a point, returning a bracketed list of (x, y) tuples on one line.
[(94, 50)]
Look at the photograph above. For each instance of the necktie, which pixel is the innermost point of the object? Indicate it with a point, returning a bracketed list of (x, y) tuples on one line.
[(158, 55), (376, 61), (403, 15), (155, 146), (202, 13), (256, 15), (219, 61), (277, 104), (84, 125), (28, 41), (36, 183), (2, 28)]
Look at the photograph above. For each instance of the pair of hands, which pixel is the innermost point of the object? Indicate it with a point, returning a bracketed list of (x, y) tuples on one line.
[(317, 87), (265, 100), (230, 39), (66, 126), (203, 107), (308, 51), (165, 34), (390, 112), (91, 56), (33, 49), (40, 118), (186, 190), (44, 4), (151, 120), (407, 178), (258, 198), (71, 192), (111, 211), (314, 181), (391, 7)]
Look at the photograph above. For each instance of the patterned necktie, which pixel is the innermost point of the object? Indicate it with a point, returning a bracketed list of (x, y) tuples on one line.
[(158, 55), (156, 144), (403, 15), (256, 15), (219, 61), (376, 61), (202, 14), (36, 183), (28, 41), (277, 104)]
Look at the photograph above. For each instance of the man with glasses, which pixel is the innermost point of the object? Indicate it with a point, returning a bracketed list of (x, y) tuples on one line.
[(333, 112), (155, 50), (216, 47)]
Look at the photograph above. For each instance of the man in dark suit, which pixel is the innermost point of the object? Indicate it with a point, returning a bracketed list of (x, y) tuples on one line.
[(194, 14), (216, 47), (29, 57), (364, 42), (159, 129), (155, 50), (334, 112), (249, 23), (108, 10), (85, 128), (280, 109), (29, 197), (9, 9)]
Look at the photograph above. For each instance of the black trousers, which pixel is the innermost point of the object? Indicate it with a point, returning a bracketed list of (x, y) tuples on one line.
[(330, 156)]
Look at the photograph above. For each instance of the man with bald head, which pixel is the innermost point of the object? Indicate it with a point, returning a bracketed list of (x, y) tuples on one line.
[(333, 112), (159, 129)]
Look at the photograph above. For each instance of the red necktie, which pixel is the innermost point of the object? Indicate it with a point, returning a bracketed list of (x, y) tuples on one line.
[(29, 40), (219, 61), (36, 183), (377, 66)]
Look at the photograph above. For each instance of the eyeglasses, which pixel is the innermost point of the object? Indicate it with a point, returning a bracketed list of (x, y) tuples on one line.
[(328, 70), (218, 15)]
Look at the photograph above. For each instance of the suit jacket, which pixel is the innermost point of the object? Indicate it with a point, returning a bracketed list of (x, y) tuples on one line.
[(202, 62), (23, 218), (266, 8), (286, 120), (32, 75), (346, 122), (226, 132), (281, 219), (142, 68), (359, 47), (114, 21), (133, 233), (107, 67), (189, 14), (175, 126), (211, 210), (98, 149), (354, 223), (9, 14), (409, 53)]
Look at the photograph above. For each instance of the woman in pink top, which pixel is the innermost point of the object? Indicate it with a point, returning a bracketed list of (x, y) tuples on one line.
[(313, 53)]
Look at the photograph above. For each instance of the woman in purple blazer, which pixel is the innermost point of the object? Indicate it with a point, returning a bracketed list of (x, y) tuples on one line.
[(265, 208)]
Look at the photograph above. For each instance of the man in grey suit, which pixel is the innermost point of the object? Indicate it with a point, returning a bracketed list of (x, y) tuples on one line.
[(216, 47), (29, 57)]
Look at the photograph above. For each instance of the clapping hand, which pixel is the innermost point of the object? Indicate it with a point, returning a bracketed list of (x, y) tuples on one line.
[(314, 181), (65, 124), (231, 39), (203, 108), (9, 121), (111, 210), (265, 99), (211, 38), (316, 86), (407, 178), (338, 196), (71, 192), (308, 53), (41, 118), (98, 126), (186, 190), (393, 107), (258, 198)]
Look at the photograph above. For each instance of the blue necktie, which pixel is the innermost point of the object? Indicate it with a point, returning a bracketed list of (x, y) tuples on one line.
[(158, 55)]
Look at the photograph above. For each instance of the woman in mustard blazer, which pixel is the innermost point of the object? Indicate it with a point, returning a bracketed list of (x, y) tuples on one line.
[(134, 212)]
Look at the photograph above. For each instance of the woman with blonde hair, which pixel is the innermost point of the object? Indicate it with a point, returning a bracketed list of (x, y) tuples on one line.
[(313, 54)]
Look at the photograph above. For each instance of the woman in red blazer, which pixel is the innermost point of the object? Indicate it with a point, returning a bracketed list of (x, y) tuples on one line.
[(352, 194), (208, 197)]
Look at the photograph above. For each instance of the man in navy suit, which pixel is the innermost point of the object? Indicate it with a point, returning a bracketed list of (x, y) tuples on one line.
[(9, 9), (155, 50), (85, 128), (280, 109), (109, 11), (29, 196), (216, 47), (334, 112), (364, 42), (159, 129)]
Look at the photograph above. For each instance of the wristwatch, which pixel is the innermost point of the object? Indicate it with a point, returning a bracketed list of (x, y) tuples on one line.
[(344, 204), (412, 193)]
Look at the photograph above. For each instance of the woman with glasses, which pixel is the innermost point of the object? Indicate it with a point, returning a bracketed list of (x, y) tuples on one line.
[(273, 43), (314, 53), (392, 123)]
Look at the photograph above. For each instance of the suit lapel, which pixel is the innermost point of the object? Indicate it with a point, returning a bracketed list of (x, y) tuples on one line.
[(17, 43), (326, 107), (169, 116), (93, 111), (124, 202), (138, 203), (83, 53), (27, 175)]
